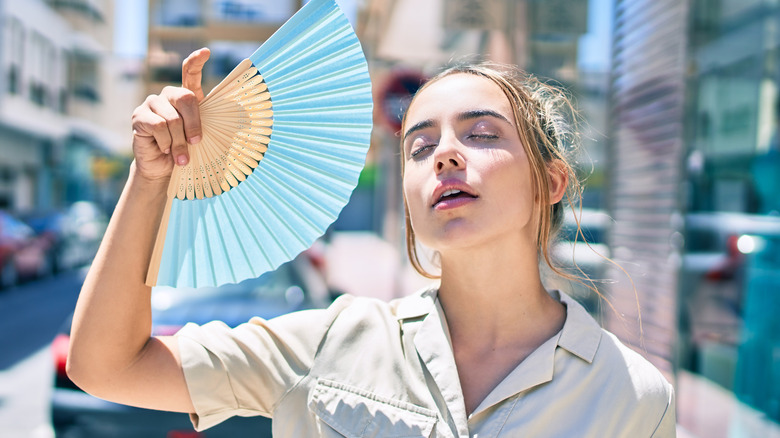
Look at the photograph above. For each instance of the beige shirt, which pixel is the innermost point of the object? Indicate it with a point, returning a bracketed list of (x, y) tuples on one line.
[(366, 368)]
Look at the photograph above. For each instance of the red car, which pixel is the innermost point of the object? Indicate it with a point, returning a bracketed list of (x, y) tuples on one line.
[(23, 255)]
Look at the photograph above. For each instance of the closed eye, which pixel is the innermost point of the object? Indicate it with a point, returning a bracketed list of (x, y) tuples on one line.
[(421, 150), (482, 136)]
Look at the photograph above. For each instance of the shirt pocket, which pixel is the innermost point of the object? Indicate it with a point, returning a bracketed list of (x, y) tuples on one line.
[(355, 413)]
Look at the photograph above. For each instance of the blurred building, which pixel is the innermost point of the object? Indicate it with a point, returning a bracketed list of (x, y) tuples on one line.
[(694, 190), (232, 29), (54, 62)]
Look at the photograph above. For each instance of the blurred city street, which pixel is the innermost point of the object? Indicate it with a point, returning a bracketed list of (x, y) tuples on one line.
[(679, 149), (30, 316)]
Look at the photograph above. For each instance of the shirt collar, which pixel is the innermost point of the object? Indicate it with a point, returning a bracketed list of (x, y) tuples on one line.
[(581, 334), (416, 305)]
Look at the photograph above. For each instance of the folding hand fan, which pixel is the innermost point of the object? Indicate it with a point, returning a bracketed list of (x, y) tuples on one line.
[(285, 137)]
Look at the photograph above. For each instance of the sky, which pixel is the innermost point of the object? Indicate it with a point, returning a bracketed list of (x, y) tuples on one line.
[(594, 53), (130, 27)]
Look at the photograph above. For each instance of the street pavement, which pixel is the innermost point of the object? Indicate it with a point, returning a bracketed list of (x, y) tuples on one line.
[(30, 316)]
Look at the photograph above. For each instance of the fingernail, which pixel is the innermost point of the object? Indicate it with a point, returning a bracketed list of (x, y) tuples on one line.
[(195, 139), (167, 151), (181, 160)]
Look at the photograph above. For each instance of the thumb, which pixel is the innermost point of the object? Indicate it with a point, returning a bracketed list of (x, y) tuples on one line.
[(192, 71)]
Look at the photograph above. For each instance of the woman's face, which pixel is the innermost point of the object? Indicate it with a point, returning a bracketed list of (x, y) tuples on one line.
[(467, 178)]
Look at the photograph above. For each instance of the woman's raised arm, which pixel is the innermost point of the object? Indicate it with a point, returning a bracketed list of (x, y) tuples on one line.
[(112, 352)]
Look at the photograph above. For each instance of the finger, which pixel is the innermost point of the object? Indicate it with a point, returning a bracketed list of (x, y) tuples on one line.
[(151, 128), (192, 71), (162, 106), (186, 105)]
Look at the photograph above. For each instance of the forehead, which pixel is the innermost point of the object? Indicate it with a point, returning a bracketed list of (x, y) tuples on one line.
[(455, 94)]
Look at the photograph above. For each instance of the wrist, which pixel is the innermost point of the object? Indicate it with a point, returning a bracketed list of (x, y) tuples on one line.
[(137, 179)]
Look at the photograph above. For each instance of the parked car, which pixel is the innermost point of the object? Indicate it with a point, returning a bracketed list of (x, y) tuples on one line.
[(73, 234), (729, 261), (23, 253), (582, 258), (294, 286)]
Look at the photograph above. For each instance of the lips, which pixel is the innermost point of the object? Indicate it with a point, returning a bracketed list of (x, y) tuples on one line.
[(452, 193)]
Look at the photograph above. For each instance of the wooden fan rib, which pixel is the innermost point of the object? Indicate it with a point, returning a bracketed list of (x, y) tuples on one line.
[(225, 178), (236, 120), (212, 149), (256, 99), (197, 162), (258, 134), (250, 134), (189, 178), (152, 274), (226, 97), (235, 99), (245, 67), (256, 145), (250, 151)]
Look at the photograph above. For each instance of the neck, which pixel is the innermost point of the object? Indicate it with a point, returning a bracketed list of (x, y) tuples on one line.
[(496, 293)]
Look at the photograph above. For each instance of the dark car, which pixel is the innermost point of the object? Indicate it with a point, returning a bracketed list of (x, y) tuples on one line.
[(294, 286)]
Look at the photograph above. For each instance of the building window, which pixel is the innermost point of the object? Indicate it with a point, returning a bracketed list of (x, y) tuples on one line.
[(84, 78), (15, 40), (252, 11), (42, 62), (184, 13)]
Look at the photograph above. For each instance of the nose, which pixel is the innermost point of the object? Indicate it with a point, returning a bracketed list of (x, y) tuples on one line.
[(447, 156)]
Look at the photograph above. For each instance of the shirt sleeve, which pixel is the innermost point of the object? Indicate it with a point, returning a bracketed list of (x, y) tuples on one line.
[(667, 427), (246, 370)]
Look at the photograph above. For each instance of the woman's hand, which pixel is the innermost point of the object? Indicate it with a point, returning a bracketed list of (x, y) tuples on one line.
[(165, 124)]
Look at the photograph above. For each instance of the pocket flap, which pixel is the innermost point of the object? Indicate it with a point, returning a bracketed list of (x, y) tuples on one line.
[(356, 413)]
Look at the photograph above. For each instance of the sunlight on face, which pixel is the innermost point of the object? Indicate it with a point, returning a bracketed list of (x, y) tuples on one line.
[(466, 178)]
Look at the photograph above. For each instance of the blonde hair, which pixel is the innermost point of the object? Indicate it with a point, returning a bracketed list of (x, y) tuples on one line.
[(544, 116)]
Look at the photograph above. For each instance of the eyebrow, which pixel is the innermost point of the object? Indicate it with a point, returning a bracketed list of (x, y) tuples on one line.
[(466, 115), (418, 126), (475, 114)]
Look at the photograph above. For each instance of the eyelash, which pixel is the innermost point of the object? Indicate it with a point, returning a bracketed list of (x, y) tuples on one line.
[(483, 136), (420, 150)]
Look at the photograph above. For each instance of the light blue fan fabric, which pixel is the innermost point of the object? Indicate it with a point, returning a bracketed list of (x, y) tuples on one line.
[(320, 89)]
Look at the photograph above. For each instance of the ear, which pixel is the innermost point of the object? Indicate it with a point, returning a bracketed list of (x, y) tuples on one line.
[(558, 173)]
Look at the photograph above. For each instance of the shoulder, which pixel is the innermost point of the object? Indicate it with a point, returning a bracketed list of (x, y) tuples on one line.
[(644, 396), (628, 365)]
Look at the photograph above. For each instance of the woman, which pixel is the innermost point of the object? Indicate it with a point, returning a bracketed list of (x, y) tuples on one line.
[(489, 352)]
